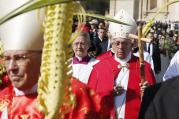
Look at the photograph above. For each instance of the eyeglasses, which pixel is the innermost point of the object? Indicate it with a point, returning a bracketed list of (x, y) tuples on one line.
[(117, 43), (19, 59), (79, 43)]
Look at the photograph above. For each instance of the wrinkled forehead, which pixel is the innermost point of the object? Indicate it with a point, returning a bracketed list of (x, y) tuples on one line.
[(119, 39), (80, 39), (19, 52)]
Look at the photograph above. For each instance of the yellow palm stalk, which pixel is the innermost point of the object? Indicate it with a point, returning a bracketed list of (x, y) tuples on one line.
[(54, 68), (2, 67)]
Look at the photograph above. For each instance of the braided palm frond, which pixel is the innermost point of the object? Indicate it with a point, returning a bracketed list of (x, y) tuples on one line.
[(54, 67)]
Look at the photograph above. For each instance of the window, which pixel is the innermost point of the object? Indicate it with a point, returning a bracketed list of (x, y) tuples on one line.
[(153, 4)]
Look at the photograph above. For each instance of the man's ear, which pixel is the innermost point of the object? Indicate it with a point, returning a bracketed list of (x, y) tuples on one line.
[(89, 45), (134, 43)]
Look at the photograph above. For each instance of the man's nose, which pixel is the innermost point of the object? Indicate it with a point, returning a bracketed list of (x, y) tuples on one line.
[(119, 45), (11, 65), (79, 45)]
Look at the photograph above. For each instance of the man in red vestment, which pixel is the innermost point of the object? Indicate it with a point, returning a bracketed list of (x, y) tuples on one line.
[(82, 65), (115, 81), (22, 40)]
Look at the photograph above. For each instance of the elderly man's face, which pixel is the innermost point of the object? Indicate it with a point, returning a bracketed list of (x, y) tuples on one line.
[(122, 47), (80, 47), (23, 68)]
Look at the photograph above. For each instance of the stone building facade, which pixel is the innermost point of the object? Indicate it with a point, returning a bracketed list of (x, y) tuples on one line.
[(145, 9)]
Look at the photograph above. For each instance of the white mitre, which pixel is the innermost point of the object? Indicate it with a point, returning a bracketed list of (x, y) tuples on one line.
[(23, 32), (122, 31)]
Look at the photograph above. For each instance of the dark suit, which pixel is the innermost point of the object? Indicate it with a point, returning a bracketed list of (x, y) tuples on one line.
[(156, 57), (101, 46), (161, 101)]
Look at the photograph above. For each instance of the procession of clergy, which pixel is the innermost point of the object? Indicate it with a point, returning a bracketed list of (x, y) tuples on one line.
[(106, 87)]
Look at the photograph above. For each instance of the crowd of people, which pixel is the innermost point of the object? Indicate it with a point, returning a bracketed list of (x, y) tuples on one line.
[(164, 44), (163, 47), (106, 79)]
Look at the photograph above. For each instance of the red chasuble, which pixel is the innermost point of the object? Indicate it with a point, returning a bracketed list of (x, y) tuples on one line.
[(82, 100), (19, 107), (81, 72), (105, 55), (102, 80)]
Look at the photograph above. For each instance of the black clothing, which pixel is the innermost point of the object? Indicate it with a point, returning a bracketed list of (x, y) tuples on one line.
[(156, 57), (100, 46), (161, 101)]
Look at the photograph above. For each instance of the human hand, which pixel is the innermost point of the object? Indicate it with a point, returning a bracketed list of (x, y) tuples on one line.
[(118, 90), (143, 86)]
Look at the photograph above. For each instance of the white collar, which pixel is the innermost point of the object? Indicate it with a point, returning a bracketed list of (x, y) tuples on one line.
[(123, 61), (112, 50), (25, 92), (100, 39)]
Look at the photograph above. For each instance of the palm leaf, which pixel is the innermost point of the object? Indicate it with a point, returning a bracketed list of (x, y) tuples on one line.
[(32, 5), (105, 18)]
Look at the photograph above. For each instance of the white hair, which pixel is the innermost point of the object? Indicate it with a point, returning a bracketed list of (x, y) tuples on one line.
[(86, 35)]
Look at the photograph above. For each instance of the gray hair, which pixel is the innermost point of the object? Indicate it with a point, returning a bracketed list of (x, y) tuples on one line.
[(86, 35)]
